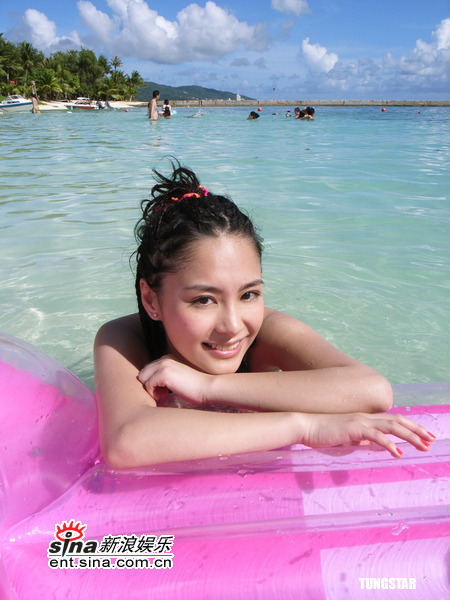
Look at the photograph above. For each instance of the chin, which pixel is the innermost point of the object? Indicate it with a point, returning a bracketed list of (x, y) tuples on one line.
[(224, 367)]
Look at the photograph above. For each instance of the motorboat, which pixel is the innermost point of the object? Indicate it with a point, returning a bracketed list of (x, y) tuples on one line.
[(82, 103), (15, 103)]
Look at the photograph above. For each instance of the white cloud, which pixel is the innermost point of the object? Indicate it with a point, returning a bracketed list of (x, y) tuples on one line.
[(441, 35), (42, 32), (427, 66), (317, 57), (198, 33), (291, 7), (132, 29), (425, 71), (99, 22)]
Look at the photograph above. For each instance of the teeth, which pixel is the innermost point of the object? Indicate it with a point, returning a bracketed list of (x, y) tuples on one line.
[(223, 348)]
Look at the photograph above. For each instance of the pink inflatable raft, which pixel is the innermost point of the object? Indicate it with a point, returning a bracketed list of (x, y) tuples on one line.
[(347, 522)]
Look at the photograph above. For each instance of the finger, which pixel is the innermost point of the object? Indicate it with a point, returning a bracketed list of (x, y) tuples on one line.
[(145, 374), (412, 435), (420, 431), (376, 436), (405, 429), (402, 431), (155, 391)]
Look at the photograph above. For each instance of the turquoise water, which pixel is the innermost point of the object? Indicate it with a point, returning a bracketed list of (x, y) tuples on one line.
[(353, 208)]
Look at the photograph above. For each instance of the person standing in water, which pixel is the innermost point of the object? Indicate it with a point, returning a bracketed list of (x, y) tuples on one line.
[(205, 368), (35, 109), (153, 107)]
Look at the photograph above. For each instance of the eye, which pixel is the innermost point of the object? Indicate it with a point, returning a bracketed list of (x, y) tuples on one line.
[(203, 301), (251, 295)]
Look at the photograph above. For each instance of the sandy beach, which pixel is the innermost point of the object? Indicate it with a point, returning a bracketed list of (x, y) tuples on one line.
[(60, 105)]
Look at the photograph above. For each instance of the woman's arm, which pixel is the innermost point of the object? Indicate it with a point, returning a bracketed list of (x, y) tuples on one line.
[(135, 432), (292, 369), (313, 376)]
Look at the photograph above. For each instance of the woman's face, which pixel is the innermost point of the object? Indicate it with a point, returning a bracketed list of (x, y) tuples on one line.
[(213, 308)]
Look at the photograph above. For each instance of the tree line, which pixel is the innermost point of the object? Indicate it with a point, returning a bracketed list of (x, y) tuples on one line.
[(63, 75)]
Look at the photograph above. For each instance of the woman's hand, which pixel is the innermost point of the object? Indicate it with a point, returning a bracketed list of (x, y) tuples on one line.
[(169, 375), (321, 431)]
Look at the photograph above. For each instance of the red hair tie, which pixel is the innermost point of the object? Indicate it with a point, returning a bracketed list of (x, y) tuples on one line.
[(192, 194)]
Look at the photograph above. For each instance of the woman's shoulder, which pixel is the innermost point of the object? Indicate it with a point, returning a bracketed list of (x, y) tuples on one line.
[(128, 324), (276, 318), (286, 343), (279, 335), (125, 336)]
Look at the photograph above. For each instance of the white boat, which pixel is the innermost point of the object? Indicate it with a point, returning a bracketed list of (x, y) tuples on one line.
[(15, 103), (83, 103)]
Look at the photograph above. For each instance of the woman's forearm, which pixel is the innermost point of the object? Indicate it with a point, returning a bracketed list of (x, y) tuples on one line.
[(159, 435), (352, 388)]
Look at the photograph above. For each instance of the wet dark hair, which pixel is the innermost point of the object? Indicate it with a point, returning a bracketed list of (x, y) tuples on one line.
[(310, 111), (179, 213)]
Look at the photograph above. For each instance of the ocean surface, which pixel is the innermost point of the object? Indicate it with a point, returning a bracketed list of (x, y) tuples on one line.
[(353, 208)]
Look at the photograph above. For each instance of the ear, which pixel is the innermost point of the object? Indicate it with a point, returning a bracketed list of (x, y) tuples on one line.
[(149, 300)]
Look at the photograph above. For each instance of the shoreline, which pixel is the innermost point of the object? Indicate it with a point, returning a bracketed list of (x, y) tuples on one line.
[(123, 105)]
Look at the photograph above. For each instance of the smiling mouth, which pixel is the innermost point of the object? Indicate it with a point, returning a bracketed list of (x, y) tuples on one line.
[(222, 348)]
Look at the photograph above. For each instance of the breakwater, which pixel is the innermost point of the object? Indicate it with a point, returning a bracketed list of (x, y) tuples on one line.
[(301, 102)]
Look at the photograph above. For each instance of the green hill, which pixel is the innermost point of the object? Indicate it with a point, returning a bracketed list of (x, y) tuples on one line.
[(184, 92)]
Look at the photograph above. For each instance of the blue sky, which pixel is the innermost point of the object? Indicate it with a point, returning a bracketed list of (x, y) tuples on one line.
[(310, 49)]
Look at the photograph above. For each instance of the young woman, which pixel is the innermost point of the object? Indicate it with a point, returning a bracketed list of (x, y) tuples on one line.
[(204, 338)]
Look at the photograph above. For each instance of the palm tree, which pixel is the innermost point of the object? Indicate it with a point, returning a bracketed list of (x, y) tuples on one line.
[(28, 56), (133, 82), (47, 83), (68, 82), (104, 64), (109, 89), (116, 62), (10, 64)]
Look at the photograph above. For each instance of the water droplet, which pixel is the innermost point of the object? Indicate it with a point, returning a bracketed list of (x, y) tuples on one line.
[(244, 472), (175, 504), (399, 528)]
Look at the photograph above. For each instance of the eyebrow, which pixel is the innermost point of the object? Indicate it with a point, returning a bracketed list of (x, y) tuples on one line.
[(210, 288)]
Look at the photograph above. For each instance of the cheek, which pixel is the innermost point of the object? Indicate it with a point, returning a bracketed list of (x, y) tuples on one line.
[(256, 317), (188, 328)]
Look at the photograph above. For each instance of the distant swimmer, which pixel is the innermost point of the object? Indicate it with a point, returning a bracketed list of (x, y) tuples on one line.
[(303, 114), (197, 114), (167, 105), (252, 116), (310, 112)]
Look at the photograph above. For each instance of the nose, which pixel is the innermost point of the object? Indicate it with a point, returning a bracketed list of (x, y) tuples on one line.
[(229, 320)]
